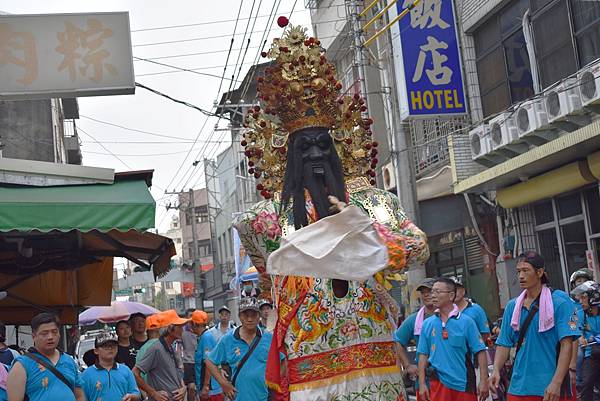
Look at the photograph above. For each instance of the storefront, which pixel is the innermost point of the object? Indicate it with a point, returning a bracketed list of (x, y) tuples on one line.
[(565, 229)]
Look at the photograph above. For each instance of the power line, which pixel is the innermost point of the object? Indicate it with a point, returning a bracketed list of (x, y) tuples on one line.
[(149, 143), (201, 152), (135, 130), (105, 148), (265, 34), (206, 113), (218, 91), (197, 24), (135, 155), (220, 50), (173, 66), (269, 25)]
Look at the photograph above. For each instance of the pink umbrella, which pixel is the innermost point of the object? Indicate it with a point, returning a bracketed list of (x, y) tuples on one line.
[(117, 311)]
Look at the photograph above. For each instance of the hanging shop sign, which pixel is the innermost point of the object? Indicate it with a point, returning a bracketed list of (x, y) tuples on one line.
[(65, 55), (431, 59)]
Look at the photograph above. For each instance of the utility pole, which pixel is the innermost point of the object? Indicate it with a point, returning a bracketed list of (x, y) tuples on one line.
[(399, 149), (398, 138), (195, 259)]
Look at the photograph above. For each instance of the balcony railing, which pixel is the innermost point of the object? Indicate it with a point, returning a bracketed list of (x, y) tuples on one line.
[(430, 142)]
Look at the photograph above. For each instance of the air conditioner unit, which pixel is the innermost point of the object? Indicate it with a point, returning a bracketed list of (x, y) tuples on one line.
[(532, 123), (589, 86), (505, 136), (389, 177), (563, 105), (481, 146)]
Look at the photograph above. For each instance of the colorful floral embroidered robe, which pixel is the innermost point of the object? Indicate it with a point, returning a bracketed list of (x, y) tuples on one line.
[(338, 349)]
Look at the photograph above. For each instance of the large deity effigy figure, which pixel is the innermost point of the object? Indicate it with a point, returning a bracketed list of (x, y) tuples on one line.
[(325, 241)]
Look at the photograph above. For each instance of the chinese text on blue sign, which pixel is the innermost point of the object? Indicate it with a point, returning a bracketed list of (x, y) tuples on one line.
[(432, 70)]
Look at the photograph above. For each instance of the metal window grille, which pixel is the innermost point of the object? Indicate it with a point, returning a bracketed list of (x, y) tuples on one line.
[(429, 138)]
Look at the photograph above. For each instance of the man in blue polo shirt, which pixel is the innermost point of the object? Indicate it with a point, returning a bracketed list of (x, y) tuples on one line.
[(448, 342), (108, 380), (408, 333), (471, 309), (248, 381), (30, 377), (208, 387), (539, 371)]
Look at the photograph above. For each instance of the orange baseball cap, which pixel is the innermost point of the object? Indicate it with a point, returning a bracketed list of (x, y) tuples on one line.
[(199, 317), (154, 322), (171, 317)]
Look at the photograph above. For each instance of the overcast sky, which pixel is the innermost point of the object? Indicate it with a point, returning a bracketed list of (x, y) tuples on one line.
[(146, 111)]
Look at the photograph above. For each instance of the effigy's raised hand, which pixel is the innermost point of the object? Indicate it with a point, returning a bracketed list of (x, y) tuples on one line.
[(336, 204)]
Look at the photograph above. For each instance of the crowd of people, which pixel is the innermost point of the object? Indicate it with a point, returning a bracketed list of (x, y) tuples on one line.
[(164, 357), (545, 346), (172, 359)]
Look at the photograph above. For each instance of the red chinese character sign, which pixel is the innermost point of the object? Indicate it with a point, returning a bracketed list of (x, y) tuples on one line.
[(65, 55)]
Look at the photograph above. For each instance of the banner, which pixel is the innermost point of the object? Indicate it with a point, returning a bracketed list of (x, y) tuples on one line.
[(241, 260), (65, 55), (431, 59)]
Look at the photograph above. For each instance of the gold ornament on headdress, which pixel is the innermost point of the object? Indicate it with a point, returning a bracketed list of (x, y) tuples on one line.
[(300, 91)]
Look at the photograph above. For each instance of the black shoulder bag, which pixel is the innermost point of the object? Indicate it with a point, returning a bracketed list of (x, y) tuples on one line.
[(523, 330), (245, 358), (52, 369)]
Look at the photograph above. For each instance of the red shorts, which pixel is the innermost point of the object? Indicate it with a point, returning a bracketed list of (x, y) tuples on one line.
[(216, 397), (511, 397), (439, 392)]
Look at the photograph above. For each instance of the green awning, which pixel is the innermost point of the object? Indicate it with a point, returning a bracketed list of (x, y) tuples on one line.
[(124, 205)]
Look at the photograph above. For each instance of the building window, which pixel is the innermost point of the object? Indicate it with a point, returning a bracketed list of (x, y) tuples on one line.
[(169, 285), (553, 47), (201, 215), (502, 60), (565, 228), (592, 196), (204, 248), (586, 24), (566, 36)]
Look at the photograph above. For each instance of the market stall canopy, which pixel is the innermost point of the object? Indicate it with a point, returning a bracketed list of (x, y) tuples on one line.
[(124, 205), (57, 243)]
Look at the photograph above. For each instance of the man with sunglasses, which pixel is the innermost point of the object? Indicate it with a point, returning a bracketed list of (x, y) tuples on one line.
[(446, 347)]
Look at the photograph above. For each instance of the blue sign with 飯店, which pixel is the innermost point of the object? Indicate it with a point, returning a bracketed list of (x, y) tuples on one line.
[(431, 58)]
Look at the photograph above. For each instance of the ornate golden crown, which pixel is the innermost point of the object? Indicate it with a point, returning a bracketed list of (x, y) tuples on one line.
[(300, 91)]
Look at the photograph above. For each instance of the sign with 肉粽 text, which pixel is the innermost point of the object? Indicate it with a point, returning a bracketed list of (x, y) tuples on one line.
[(65, 55)]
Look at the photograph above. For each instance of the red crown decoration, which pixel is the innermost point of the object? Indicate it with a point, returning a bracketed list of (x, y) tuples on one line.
[(300, 91)]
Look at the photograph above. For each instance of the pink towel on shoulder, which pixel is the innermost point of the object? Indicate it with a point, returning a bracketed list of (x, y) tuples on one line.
[(419, 321), (3, 376), (546, 310)]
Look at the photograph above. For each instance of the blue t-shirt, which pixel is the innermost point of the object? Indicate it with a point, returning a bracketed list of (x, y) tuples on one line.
[(250, 383), (535, 363), (478, 315), (206, 343), (405, 334), (590, 327), (448, 356), (108, 385), (42, 385)]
